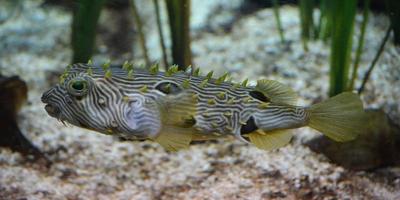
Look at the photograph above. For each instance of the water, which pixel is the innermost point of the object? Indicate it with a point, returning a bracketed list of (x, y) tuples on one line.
[(35, 45)]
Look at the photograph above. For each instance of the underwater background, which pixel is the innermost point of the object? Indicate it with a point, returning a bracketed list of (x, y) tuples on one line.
[(311, 46)]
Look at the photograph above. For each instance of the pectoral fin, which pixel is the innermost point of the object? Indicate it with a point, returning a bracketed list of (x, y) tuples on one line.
[(174, 139), (270, 140), (177, 118), (178, 110)]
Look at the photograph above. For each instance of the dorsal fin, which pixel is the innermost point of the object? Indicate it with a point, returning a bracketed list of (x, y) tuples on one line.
[(270, 140), (276, 91)]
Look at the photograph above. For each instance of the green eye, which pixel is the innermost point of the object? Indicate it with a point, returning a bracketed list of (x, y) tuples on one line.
[(78, 87)]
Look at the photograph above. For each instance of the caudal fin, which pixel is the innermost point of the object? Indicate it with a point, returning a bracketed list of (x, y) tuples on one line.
[(341, 117)]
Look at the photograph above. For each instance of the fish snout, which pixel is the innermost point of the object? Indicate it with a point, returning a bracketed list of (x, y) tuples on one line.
[(50, 108), (46, 95)]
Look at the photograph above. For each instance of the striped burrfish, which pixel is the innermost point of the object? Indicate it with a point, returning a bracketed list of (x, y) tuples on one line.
[(174, 108)]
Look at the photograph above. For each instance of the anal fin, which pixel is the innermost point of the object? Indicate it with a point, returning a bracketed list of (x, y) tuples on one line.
[(270, 140)]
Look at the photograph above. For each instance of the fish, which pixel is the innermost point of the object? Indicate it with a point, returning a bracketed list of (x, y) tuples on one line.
[(175, 108)]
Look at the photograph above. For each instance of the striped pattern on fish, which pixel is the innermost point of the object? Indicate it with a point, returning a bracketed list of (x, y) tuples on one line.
[(174, 108)]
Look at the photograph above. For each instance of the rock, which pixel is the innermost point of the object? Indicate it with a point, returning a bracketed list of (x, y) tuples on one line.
[(379, 146), (13, 94)]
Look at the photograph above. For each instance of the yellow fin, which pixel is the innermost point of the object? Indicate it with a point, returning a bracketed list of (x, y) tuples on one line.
[(203, 137), (270, 140), (277, 92), (178, 110), (177, 118), (341, 118), (174, 138)]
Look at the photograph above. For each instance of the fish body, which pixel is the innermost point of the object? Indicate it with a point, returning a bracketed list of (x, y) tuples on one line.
[(174, 107)]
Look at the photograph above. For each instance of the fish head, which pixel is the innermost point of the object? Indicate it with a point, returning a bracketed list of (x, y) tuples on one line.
[(91, 101), (70, 100)]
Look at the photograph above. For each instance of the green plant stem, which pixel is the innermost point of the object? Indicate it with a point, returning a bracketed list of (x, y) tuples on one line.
[(377, 55), (342, 32), (160, 34), (325, 21), (179, 16), (278, 20), (307, 21), (360, 44), (319, 25), (393, 9), (142, 39), (84, 24)]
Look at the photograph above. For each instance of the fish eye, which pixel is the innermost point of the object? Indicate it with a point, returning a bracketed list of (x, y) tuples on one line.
[(78, 87)]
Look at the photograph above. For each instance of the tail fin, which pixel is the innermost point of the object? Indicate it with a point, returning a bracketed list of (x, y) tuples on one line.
[(341, 117)]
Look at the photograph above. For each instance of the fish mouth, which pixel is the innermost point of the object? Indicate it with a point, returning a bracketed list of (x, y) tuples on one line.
[(55, 112), (52, 110)]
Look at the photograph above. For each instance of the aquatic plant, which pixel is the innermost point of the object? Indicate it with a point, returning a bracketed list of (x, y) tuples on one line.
[(160, 33), (84, 23), (360, 44), (307, 20), (336, 22), (139, 26), (375, 60), (179, 15), (86, 15), (342, 32), (278, 20), (324, 25), (393, 9)]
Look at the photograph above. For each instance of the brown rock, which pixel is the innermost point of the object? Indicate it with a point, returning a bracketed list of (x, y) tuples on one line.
[(13, 94), (379, 146)]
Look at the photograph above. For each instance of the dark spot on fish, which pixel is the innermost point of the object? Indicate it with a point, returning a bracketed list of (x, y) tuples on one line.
[(259, 95), (168, 88), (78, 98), (189, 122), (210, 141), (124, 139), (249, 127)]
